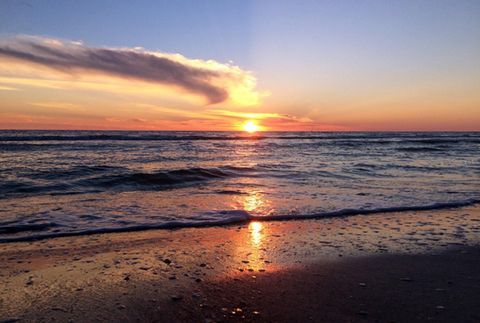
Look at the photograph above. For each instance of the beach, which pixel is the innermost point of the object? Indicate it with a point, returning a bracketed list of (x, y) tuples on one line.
[(240, 161), (387, 267)]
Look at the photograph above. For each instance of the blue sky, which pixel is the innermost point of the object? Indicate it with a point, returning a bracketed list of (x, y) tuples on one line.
[(199, 29), (227, 30)]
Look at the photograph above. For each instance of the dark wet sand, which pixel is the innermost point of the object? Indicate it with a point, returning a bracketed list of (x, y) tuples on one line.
[(390, 288), (399, 267)]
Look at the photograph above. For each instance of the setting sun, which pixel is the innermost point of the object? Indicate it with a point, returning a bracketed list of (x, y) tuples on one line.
[(298, 160), (250, 127)]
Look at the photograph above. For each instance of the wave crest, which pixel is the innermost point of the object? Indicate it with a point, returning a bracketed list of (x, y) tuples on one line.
[(219, 218), (80, 179)]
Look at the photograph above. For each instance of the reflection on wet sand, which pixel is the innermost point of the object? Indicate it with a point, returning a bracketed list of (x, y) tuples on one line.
[(161, 267), (248, 248), (251, 246), (255, 228), (257, 252)]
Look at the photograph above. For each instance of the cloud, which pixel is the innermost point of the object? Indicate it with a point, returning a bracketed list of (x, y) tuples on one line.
[(259, 116), (7, 88), (215, 81), (56, 105)]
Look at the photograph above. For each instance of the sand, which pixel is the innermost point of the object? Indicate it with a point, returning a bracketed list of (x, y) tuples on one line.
[(396, 267)]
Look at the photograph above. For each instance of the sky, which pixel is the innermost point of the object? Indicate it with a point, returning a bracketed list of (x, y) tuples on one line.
[(216, 65)]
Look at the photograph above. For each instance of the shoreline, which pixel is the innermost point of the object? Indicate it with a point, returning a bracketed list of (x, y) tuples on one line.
[(247, 218), (328, 267)]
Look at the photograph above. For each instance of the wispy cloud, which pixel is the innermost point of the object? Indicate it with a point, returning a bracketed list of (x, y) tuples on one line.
[(57, 105), (7, 88), (215, 81), (256, 115)]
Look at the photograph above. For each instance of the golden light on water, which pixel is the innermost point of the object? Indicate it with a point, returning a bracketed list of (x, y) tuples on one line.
[(255, 203), (252, 202), (250, 127)]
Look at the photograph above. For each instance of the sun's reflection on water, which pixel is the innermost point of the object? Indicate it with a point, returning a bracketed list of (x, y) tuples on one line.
[(253, 246), (252, 202), (255, 203)]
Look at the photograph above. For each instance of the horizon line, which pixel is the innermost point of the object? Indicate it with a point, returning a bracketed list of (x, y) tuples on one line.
[(240, 131)]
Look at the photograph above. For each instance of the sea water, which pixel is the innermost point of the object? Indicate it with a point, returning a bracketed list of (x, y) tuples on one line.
[(57, 183)]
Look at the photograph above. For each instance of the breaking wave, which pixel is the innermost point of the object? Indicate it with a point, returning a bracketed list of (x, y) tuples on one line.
[(218, 218)]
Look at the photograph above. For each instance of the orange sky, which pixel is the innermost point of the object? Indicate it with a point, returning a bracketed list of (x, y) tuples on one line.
[(124, 90)]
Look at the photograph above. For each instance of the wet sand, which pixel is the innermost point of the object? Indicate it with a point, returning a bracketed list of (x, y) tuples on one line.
[(396, 267)]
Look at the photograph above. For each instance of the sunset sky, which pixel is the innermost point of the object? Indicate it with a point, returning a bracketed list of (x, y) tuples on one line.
[(216, 65)]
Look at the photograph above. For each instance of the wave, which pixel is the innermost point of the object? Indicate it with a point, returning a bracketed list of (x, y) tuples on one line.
[(357, 137), (227, 217), (26, 227), (384, 166), (440, 140), (350, 212), (420, 149), (81, 179), (75, 171), (165, 178)]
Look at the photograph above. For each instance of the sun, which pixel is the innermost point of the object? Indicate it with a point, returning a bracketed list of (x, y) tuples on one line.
[(250, 127)]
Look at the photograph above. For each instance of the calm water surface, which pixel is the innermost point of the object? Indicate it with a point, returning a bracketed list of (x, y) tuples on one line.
[(72, 182)]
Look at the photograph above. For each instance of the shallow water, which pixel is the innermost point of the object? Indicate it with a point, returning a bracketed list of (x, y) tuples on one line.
[(71, 182)]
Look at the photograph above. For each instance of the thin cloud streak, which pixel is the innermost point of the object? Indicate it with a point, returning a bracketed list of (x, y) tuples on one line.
[(257, 115)]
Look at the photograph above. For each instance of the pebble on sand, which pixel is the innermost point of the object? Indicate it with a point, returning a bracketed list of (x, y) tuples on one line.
[(29, 281)]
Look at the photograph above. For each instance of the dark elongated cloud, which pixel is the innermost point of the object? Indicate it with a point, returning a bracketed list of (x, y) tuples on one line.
[(208, 78)]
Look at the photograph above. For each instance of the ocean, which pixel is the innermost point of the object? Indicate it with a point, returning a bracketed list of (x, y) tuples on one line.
[(59, 183)]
